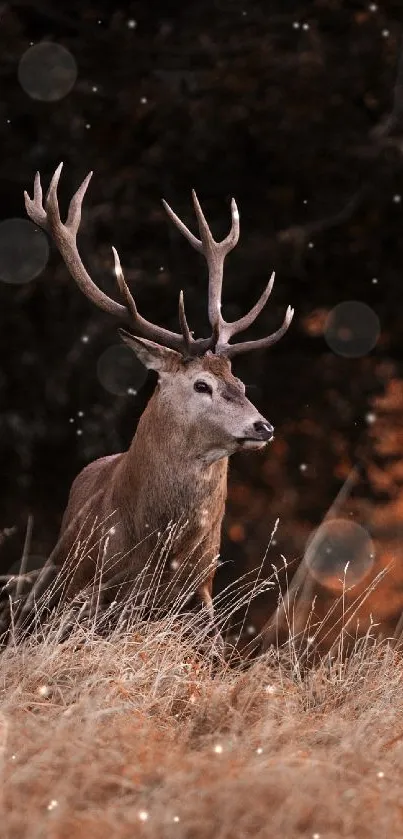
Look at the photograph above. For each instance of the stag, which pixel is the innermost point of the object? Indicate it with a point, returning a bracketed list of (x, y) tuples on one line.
[(176, 466)]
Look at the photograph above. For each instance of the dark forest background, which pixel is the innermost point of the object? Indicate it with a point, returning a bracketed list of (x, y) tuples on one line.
[(294, 108)]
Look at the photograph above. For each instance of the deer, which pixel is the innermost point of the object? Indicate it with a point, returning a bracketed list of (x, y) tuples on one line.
[(176, 466)]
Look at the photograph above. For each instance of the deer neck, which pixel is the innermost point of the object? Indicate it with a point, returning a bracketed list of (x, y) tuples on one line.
[(165, 476)]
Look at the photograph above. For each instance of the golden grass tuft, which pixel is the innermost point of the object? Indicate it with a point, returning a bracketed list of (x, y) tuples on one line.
[(128, 727), (139, 735)]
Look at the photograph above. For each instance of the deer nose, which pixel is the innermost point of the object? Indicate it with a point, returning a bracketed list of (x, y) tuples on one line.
[(264, 429)]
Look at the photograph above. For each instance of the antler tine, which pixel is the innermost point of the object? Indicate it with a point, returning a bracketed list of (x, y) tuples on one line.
[(140, 324), (123, 287), (206, 236), (229, 329), (230, 350), (52, 203), (34, 206), (187, 335), (74, 212), (194, 241)]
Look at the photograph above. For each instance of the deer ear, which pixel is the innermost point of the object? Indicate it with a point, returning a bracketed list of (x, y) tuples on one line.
[(153, 356)]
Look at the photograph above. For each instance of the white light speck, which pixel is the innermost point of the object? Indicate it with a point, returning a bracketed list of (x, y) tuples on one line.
[(94, 88), (85, 339), (373, 7), (374, 280), (71, 419), (99, 21), (274, 541), (270, 689), (80, 413), (296, 24), (385, 33), (303, 467), (315, 835), (8, 121), (305, 201), (311, 245), (380, 774), (250, 630), (52, 804), (305, 26), (397, 199), (88, 125), (174, 564), (143, 815), (131, 391), (143, 100), (112, 531), (244, 14), (309, 640), (79, 432), (176, 819), (218, 749), (370, 418), (259, 751), (13, 757), (44, 690), (131, 24), (161, 268)]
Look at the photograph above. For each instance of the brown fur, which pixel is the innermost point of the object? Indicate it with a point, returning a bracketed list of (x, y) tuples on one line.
[(176, 467), (121, 504)]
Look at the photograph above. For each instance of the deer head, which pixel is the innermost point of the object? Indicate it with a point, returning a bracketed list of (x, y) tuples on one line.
[(203, 400), (196, 387)]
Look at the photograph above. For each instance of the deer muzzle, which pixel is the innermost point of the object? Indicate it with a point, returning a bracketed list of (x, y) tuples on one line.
[(255, 437)]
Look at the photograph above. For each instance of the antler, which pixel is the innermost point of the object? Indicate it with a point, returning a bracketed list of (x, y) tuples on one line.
[(215, 253), (65, 235)]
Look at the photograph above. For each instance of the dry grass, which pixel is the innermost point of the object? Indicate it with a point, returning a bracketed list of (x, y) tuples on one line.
[(142, 732), (140, 735)]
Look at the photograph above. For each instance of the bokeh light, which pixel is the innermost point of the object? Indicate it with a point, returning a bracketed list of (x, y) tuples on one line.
[(24, 251), (47, 71), (120, 371), (339, 553), (352, 329)]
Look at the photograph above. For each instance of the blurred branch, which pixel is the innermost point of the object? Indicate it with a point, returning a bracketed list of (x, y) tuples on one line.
[(302, 583), (298, 235), (393, 120), (380, 135)]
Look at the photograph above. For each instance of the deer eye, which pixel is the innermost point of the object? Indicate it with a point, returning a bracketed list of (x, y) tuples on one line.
[(202, 387)]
